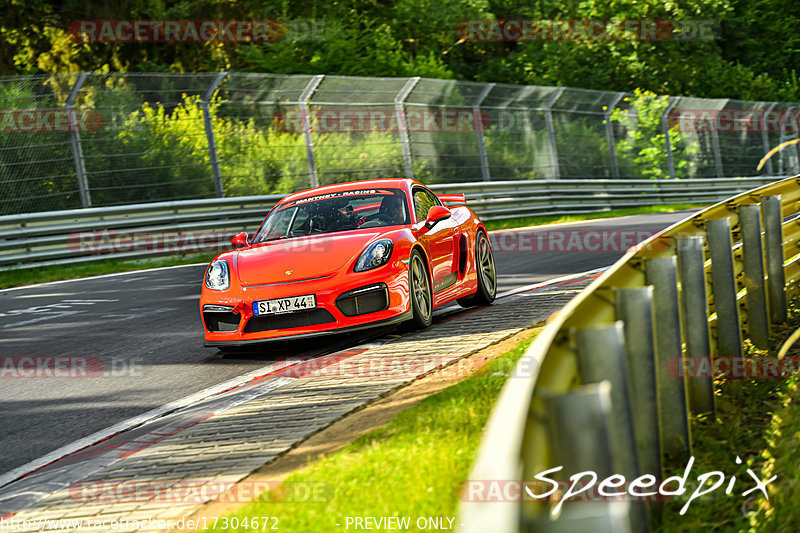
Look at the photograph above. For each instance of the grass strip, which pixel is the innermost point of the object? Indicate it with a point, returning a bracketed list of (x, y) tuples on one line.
[(412, 467), (757, 420)]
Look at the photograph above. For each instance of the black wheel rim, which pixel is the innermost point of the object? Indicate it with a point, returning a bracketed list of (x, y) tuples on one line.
[(486, 266), (419, 284)]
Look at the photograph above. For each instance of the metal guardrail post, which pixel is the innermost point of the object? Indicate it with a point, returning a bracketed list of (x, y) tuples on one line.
[(476, 112), (551, 132), (765, 136), (752, 255), (694, 307), (665, 129), (723, 288), (212, 145), (601, 357), (634, 307), (612, 144), (661, 273), (305, 96), (579, 433), (773, 247), (75, 138), (405, 145)]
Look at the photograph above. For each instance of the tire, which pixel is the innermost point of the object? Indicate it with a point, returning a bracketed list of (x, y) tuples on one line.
[(420, 292), (487, 274)]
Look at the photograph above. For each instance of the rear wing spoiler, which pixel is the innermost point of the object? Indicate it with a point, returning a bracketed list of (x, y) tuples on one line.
[(453, 199)]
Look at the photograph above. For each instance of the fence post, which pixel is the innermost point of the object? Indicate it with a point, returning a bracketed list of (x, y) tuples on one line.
[(212, 145), (765, 136), (75, 138), (661, 273), (476, 112), (612, 144), (723, 287), (305, 96), (551, 132), (715, 145), (694, 304), (752, 255), (773, 247), (399, 102), (665, 129)]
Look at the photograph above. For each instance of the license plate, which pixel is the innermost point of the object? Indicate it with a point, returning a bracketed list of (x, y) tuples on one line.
[(285, 305)]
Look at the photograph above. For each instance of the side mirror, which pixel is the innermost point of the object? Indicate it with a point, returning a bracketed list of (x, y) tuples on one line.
[(240, 240), (436, 214)]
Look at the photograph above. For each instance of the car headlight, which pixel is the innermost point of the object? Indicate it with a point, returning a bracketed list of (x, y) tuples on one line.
[(218, 276), (376, 254)]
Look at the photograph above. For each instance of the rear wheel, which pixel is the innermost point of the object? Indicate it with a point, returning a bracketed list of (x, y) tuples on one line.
[(421, 295), (487, 275)]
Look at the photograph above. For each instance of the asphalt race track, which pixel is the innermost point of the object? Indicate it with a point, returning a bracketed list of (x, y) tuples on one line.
[(136, 338)]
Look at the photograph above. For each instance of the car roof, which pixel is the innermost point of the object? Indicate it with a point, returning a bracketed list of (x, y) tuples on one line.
[(392, 183)]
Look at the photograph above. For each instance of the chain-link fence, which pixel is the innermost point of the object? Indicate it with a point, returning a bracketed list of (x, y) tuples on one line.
[(94, 139)]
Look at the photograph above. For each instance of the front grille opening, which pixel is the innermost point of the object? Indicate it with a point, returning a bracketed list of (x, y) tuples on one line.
[(288, 320), (364, 300), (221, 322)]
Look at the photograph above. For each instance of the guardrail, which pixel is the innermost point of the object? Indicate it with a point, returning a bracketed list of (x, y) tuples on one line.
[(593, 391), (179, 228)]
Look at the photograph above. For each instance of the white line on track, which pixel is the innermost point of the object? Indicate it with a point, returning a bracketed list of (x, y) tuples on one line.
[(138, 420)]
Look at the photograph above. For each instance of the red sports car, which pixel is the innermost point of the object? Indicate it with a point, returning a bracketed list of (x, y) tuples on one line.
[(345, 257)]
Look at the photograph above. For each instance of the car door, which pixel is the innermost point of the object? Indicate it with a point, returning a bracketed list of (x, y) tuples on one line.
[(440, 241)]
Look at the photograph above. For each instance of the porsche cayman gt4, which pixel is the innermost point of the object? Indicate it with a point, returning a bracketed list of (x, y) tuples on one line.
[(345, 257)]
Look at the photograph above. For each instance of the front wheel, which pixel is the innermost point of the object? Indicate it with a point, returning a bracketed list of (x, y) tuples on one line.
[(487, 275), (420, 293)]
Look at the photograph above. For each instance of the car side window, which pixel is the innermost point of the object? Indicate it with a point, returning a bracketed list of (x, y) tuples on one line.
[(423, 201)]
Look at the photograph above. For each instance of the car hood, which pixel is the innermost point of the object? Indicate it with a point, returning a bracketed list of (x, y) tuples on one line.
[(301, 258)]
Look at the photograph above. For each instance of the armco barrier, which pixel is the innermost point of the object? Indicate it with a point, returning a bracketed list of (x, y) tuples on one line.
[(593, 392), (174, 228)]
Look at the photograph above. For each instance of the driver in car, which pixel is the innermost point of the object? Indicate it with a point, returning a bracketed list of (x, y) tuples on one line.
[(391, 212)]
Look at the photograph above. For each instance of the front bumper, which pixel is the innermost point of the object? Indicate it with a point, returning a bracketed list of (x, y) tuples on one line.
[(345, 302)]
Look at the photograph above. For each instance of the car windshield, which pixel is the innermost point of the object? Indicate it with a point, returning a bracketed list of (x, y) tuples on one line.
[(337, 211)]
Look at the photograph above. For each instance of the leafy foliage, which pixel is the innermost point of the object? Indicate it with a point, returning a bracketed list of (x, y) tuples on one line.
[(752, 54)]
